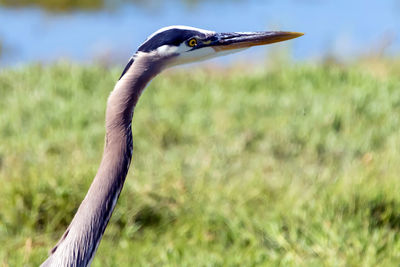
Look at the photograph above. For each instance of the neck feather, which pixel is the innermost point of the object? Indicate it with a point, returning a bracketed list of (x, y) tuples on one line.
[(79, 243)]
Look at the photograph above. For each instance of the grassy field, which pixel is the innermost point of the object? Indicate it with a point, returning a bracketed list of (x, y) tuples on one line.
[(293, 166)]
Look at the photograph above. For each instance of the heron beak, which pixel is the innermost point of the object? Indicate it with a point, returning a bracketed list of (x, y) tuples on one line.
[(242, 40)]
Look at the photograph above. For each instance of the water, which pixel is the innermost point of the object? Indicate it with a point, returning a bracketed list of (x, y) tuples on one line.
[(342, 28)]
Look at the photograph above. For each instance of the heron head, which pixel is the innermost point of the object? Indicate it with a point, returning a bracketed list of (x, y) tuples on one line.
[(181, 44), (175, 45)]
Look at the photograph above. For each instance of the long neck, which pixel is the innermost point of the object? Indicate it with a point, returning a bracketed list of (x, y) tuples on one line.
[(80, 241)]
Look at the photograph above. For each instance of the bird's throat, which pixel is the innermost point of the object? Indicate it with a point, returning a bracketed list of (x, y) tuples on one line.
[(79, 243)]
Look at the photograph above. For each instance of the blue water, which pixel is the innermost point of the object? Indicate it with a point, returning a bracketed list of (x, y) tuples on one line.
[(342, 28)]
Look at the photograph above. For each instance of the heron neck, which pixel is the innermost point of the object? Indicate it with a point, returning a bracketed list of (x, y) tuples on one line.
[(80, 241), (127, 91)]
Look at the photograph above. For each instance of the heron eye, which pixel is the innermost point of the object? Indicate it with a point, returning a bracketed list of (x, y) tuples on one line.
[(192, 42)]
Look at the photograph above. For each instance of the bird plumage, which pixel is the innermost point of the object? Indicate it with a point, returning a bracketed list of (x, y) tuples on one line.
[(167, 47)]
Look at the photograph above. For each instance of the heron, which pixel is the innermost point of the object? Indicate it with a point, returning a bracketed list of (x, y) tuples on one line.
[(167, 47)]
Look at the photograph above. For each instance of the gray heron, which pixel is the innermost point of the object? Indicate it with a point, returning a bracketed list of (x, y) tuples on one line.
[(166, 47)]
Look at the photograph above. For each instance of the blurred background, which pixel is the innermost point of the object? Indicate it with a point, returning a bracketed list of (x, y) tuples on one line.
[(291, 162), (108, 31)]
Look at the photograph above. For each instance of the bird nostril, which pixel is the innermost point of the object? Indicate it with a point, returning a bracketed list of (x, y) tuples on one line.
[(228, 37)]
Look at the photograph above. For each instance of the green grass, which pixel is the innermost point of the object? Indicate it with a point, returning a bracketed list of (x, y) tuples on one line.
[(294, 166)]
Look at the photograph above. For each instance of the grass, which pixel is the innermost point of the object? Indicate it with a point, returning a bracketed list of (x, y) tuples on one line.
[(294, 166)]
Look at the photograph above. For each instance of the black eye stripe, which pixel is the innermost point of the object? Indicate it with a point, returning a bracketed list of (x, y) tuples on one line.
[(169, 37)]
